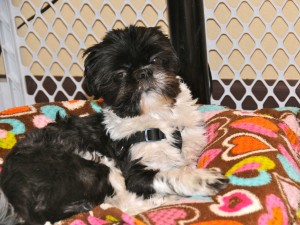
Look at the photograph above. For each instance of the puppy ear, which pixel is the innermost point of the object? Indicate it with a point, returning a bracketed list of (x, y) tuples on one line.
[(91, 83), (176, 62)]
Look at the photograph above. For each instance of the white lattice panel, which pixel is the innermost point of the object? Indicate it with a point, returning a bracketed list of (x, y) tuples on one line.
[(254, 45), (51, 45)]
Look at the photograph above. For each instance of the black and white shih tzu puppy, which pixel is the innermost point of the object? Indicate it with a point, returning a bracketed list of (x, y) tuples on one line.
[(139, 153)]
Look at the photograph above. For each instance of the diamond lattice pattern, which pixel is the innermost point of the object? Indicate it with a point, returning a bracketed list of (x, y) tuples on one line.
[(52, 44), (254, 52)]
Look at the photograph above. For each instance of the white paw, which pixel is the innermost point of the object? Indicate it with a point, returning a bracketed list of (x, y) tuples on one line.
[(189, 181), (208, 181)]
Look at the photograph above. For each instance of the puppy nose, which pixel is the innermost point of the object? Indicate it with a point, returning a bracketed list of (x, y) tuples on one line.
[(143, 74)]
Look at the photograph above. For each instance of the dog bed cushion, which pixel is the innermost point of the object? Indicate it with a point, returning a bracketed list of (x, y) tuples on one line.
[(258, 151)]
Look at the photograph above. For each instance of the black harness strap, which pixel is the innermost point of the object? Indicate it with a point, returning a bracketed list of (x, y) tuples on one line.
[(177, 135), (148, 135), (154, 134)]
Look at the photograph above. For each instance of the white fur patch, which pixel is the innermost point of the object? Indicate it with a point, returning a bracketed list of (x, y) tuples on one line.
[(91, 156), (115, 176), (187, 181), (184, 115), (7, 213)]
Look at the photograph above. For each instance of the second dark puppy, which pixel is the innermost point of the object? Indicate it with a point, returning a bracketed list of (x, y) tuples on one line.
[(142, 149)]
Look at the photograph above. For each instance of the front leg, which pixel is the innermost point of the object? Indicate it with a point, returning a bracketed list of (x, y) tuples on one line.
[(185, 181), (139, 179), (188, 181)]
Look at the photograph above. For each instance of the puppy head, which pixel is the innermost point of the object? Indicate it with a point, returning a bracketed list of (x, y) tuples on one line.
[(134, 70)]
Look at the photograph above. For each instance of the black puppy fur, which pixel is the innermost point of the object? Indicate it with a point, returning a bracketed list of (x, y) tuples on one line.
[(45, 177), (45, 181)]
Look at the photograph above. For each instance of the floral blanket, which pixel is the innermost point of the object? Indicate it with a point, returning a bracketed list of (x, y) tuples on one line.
[(258, 151)]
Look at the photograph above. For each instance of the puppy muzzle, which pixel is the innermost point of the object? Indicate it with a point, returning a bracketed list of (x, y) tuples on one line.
[(145, 73)]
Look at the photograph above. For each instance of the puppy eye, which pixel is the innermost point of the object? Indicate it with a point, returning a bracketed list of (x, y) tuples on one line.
[(154, 60), (121, 74)]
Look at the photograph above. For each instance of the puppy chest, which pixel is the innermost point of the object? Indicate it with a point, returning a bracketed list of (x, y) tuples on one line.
[(157, 155)]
